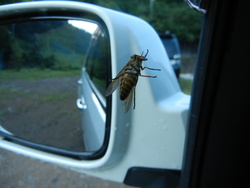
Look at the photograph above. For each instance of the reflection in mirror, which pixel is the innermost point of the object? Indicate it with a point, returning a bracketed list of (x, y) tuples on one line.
[(40, 69)]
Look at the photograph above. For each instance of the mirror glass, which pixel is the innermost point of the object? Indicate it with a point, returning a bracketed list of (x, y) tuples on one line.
[(42, 91)]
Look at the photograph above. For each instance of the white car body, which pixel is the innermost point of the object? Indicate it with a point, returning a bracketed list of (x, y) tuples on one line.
[(150, 136)]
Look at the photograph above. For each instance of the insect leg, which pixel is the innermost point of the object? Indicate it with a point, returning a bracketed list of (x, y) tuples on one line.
[(142, 68), (134, 98), (148, 76)]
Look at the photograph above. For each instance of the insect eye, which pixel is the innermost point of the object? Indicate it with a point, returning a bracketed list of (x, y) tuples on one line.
[(133, 57)]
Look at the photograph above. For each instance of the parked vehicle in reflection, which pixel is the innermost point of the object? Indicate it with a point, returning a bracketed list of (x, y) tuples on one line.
[(172, 46)]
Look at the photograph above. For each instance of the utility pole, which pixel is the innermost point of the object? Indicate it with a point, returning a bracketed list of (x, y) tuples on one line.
[(151, 9)]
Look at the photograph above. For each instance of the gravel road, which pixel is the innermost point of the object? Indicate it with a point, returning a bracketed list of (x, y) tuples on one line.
[(18, 171)]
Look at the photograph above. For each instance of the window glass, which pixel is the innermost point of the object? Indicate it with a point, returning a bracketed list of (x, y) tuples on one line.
[(97, 62)]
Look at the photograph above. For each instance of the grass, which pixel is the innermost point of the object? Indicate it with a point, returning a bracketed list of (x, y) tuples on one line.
[(55, 97), (187, 64), (186, 85), (7, 94), (36, 74)]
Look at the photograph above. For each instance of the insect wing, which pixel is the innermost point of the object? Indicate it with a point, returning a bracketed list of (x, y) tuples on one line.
[(128, 101), (113, 86), (115, 83)]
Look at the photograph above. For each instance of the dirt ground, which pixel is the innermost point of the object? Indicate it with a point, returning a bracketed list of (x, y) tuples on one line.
[(43, 111), (18, 171)]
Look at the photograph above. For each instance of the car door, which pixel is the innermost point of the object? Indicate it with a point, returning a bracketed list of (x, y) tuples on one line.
[(137, 147), (92, 87), (217, 139)]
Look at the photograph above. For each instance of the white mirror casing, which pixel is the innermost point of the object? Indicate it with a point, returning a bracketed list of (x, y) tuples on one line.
[(152, 135)]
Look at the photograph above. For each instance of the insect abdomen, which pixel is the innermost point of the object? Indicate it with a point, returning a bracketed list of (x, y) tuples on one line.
[(127, 83)]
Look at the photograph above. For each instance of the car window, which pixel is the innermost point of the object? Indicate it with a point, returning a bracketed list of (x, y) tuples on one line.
[(98, 59)]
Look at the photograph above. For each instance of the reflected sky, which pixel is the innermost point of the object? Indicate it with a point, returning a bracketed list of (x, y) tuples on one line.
[(87, 26)]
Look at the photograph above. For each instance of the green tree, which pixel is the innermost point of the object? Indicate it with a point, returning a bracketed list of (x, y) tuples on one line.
[(177, 17), (2, 2), (172, 15)]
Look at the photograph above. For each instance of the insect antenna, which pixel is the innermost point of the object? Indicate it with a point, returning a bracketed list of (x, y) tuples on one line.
[(146, 53)]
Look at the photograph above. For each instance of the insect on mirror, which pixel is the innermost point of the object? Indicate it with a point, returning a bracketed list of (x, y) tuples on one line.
[(127, 80), (41, 65)]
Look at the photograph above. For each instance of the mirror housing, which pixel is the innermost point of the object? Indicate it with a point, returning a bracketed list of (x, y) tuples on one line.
[(152, 135)]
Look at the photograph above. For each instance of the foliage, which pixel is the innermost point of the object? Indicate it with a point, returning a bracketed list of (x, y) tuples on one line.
[(172, 15), (20, 49), (163, 15), (11, 1), (45, 44), (178, 18)]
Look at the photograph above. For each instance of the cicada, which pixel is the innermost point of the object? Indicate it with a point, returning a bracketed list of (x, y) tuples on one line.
[(127, 79)]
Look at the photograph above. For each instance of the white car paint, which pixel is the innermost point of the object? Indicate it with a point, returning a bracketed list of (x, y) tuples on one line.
[(153, 134)]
